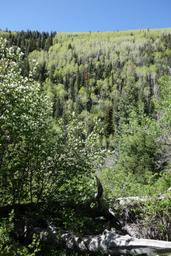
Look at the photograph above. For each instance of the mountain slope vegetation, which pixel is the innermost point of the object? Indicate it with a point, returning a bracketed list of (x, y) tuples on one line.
[(75, 106)]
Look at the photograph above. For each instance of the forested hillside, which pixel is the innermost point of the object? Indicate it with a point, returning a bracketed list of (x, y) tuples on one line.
[(75, 106), (104, 75)]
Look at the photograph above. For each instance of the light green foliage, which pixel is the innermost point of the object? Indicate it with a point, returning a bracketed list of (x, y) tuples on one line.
[(24, 129), (37, 159), (40, 159), (117, 184), (157, 214), (76, 160), (163, 103), (106, 74), (138, 145), (139, 148), (7, 247)]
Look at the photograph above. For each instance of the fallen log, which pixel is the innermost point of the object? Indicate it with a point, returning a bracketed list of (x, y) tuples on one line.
[(132, 200), (127, 239), (108, 243)]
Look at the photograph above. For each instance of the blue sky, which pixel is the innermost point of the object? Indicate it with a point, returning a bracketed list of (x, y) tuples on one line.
[(84, 15)]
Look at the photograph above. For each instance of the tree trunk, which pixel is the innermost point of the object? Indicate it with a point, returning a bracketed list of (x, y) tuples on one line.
[(108, 243)]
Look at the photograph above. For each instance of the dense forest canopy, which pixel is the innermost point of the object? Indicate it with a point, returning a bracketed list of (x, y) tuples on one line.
[(76, 105), (103, 75)]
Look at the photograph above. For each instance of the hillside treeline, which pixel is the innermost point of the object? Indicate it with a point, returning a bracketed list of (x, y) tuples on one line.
[(100, 75)]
